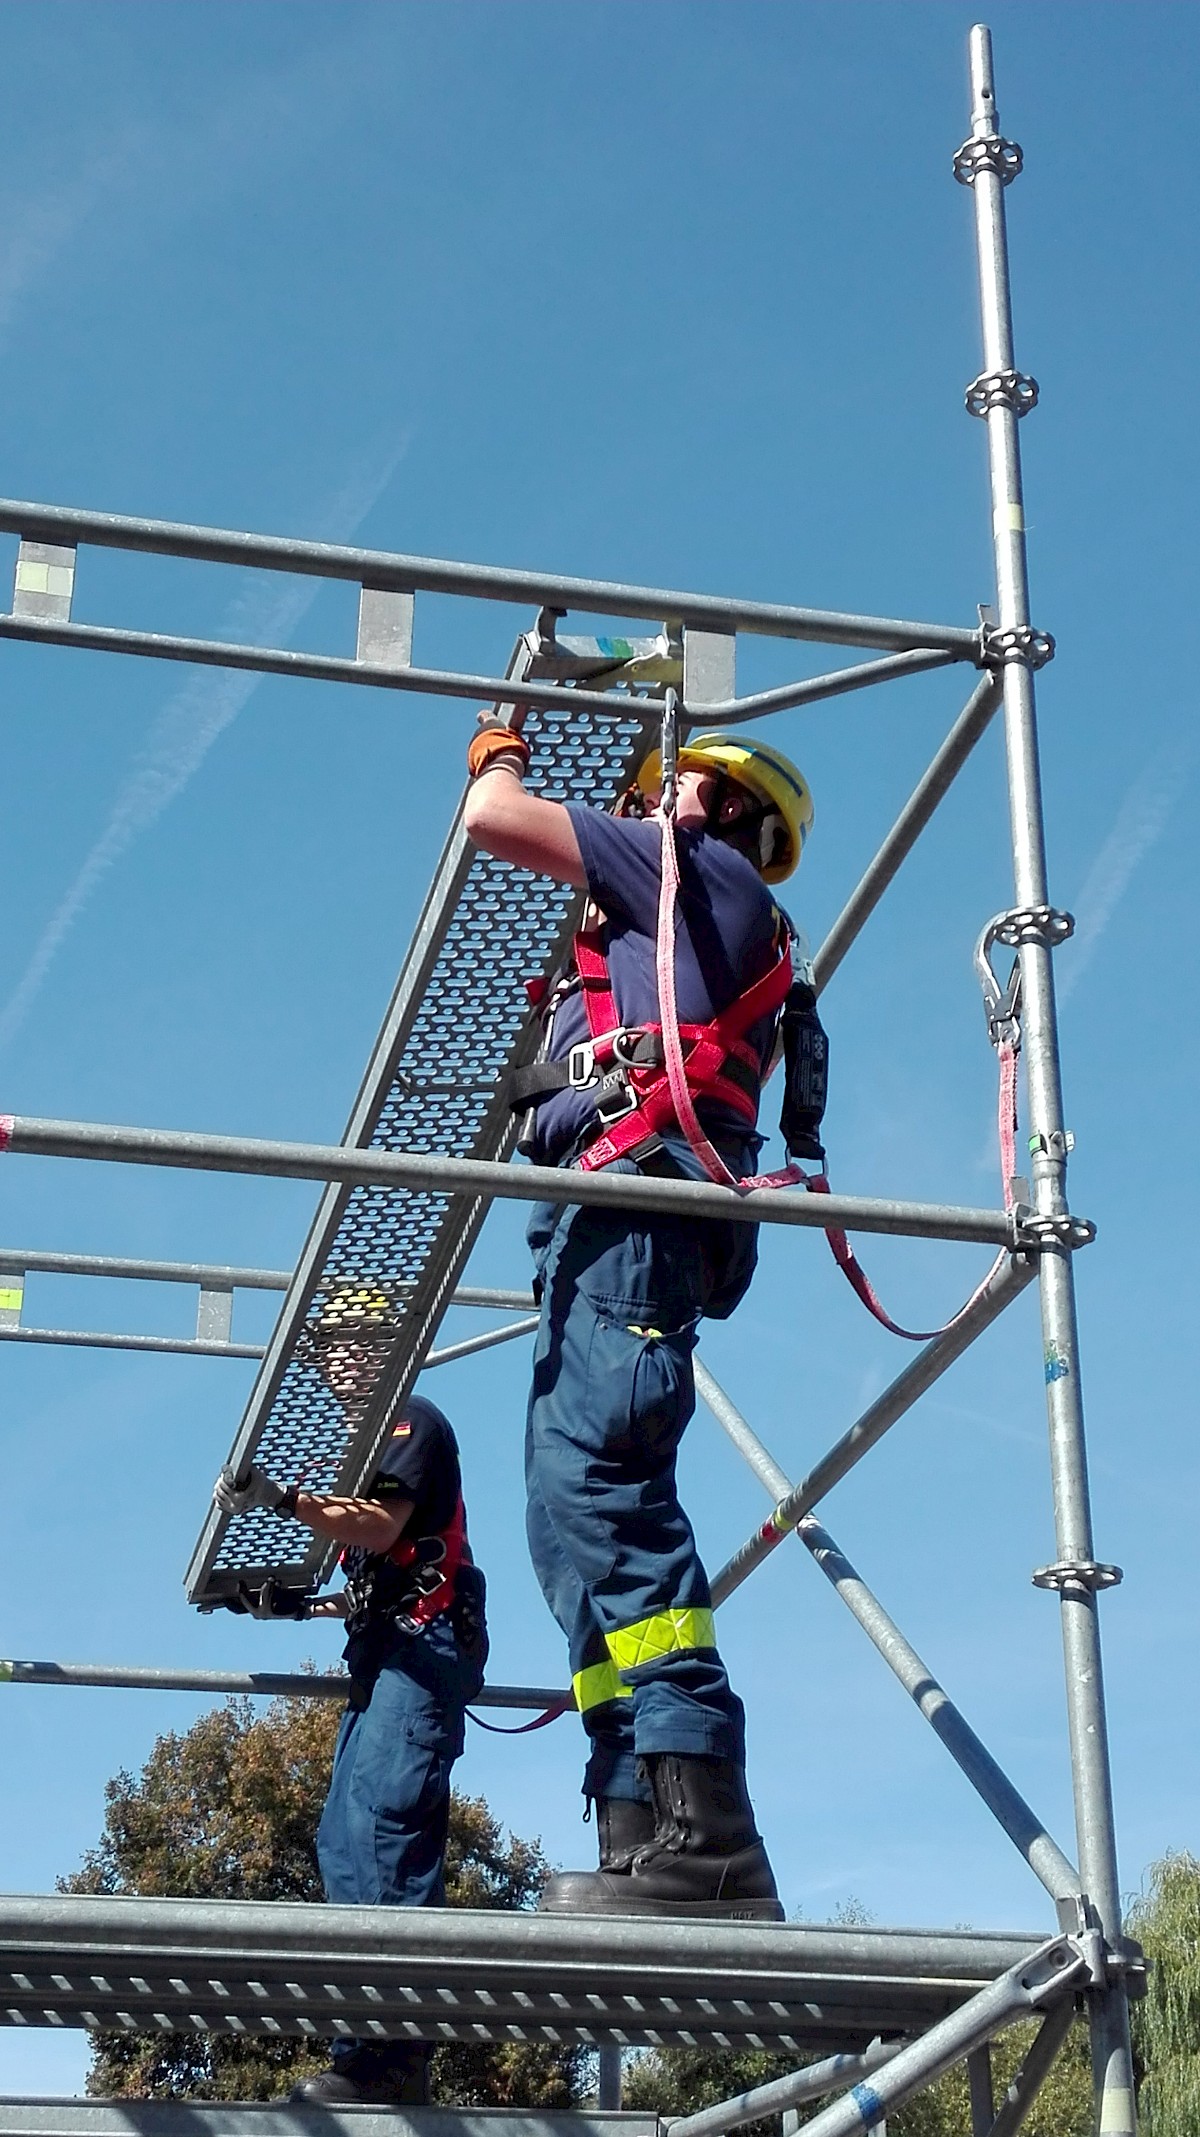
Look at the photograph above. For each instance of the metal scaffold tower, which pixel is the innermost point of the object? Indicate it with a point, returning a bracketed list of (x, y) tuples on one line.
[(870, 2016)]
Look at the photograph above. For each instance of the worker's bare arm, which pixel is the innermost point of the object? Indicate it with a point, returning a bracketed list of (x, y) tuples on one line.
[(502, 818), (373, 1524)]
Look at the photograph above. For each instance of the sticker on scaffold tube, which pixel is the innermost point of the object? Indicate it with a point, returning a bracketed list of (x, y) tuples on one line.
[(1058, 1365), (775, 1527), (869, 2105)]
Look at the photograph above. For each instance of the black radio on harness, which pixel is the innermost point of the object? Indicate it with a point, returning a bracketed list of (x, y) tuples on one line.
[(805, 1073)]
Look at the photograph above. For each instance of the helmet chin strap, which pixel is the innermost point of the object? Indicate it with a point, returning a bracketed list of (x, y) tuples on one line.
[(747, 832), (716, 802)]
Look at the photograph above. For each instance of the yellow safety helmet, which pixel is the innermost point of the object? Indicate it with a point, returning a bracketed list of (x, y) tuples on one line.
[(350, 1313), (768, 775)]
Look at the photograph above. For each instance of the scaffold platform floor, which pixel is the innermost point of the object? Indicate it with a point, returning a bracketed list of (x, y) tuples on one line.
[(277, 2118), (238, 1966)]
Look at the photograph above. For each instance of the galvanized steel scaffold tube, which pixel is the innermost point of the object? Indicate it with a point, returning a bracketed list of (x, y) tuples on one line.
[(425, 1152), (1001, 396)]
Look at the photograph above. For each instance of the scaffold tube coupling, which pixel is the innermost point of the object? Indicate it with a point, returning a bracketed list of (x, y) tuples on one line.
[(1005, 158), (1019, 641), (1014, 390)]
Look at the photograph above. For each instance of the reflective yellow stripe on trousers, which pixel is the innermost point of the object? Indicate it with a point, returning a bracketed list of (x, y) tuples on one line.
[(669, 1632), (596, 1685)]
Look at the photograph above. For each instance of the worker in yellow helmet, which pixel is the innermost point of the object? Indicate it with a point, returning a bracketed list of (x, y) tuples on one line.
[(758, 802), (621, 1297)]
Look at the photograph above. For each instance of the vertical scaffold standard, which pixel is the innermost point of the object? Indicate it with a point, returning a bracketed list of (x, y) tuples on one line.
[(1000, 397)]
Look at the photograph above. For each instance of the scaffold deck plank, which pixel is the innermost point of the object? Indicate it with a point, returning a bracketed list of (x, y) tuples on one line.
[(380, 1255), (279, 2118), (238, 1967)]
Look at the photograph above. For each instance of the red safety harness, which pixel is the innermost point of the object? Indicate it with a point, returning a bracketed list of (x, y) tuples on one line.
[(648, 1078), (680, 1086), (434, 1570), (718, 1062), (432, 1562)]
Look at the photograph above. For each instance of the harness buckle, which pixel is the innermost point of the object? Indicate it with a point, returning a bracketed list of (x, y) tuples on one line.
[(615, 1098), (581, 1066), (428, 1579), (625, 1042), (358, 1600)]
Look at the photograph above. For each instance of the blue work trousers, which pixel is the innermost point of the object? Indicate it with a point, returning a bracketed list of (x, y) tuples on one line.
[(382, 1837), (611, 1545)]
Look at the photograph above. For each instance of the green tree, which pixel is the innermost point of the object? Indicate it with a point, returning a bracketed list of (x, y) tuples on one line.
[(229, 1810), (1166, 2024)]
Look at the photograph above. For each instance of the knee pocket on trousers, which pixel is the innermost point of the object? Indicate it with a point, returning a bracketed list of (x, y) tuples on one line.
[(404, 1788), (618, 1464), (431, 1732), (640, 1393)]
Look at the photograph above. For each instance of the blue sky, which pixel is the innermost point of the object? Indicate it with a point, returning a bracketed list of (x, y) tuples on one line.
[(680, 293)]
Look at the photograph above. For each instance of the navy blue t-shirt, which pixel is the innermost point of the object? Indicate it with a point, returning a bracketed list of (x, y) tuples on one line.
[(419, 1462), (726, 923)]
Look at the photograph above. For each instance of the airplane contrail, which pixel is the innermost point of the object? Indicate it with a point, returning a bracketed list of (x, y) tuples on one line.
[(1139, 825)]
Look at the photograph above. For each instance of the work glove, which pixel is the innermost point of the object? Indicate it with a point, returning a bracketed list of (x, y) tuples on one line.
[(272, 1600), (258, 1490), (496, 735)]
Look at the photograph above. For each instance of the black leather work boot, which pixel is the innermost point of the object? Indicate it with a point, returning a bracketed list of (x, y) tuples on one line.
[(622, 1827), (706, 1859), (394, 2074)]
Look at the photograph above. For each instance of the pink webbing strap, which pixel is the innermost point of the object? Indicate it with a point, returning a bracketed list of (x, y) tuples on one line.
[(1007, 1116), (851, 1268), (8, 1122), (668, 1009)]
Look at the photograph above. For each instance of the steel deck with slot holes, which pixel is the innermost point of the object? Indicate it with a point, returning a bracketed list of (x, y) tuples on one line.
[(455, 1974), (459, 1020), (279, 2118)]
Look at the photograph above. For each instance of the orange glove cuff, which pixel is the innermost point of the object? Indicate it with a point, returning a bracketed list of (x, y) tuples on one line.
[(493, 742)]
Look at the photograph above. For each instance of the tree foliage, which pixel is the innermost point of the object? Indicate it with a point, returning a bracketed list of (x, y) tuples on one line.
[(1166, 2025), (229, 1810)]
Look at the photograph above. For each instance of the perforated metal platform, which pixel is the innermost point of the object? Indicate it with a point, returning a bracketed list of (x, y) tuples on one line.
[(375, 1257), (453, 1974), (278, 2118)]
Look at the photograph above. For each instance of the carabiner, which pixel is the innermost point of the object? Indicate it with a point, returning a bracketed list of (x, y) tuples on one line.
[(1001, 1005), (669, 752)]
